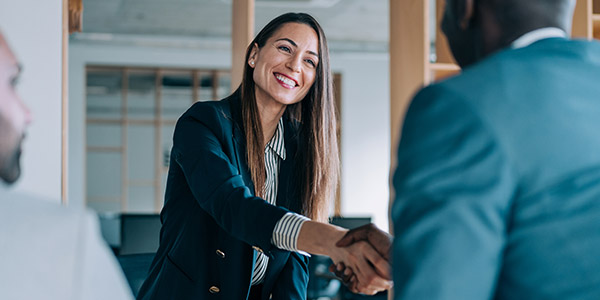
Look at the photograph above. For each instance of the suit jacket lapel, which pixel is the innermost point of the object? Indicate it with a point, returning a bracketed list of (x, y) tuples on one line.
[(287, 194), (239, 140)]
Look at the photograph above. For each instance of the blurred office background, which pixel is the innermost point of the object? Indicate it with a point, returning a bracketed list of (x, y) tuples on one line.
[(138, 65)]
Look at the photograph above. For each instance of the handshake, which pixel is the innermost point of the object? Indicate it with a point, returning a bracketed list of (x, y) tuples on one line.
[(365, 268)]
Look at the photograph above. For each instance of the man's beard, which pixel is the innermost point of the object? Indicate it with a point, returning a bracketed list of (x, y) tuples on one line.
[(10, 151), (10, 170)]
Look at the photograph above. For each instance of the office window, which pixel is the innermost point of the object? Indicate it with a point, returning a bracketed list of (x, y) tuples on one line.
[(131, 115)]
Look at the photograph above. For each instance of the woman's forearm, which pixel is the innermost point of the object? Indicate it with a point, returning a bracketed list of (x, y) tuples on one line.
[(319, 238)]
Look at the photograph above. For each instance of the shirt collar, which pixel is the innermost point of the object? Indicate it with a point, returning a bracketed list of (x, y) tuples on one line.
[(277, 143), (537, 35)]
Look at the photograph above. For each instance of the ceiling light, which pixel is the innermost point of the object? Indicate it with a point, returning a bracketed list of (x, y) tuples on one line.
[(293, 3)]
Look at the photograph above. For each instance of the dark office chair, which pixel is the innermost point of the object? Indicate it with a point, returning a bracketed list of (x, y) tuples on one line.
[(135, 267), (139, 233), (139, 237)]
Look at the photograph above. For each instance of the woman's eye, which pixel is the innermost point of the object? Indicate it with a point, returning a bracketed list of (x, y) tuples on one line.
[(310, 62), (285, 48)]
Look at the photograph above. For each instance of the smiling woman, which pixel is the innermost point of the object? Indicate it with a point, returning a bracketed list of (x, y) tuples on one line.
[(284, 68), (249, 173)]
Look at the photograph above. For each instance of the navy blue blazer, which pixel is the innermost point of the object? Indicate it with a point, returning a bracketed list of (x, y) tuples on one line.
[(211, 220), (498, 180)]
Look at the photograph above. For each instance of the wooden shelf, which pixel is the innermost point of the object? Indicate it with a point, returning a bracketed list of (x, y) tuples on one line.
[(104, 149), (141, 183), (444, 67), (103, 199), (596, 21), (443, 70)]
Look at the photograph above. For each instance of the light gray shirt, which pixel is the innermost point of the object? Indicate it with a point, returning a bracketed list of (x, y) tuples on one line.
[(55, 253)]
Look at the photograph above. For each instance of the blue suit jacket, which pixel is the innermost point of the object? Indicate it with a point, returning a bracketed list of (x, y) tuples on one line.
[(211, 218), (498, 180)]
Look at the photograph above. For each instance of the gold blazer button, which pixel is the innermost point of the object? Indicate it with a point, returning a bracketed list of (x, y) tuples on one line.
[(213, 289), (220, 253)]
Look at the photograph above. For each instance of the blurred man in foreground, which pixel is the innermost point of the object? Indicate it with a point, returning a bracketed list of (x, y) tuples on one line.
[(46, 251)]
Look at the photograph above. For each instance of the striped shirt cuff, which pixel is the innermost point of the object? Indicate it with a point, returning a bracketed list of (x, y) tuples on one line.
[(287, 229)]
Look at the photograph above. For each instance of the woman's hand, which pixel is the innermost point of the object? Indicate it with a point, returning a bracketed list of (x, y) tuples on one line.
[(372, 271)]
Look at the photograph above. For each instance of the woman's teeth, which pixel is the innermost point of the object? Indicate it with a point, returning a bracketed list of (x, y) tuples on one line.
[(286, 80)]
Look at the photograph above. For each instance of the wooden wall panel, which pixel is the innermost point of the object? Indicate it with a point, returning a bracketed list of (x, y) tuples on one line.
[(409, 55), (582, 20)]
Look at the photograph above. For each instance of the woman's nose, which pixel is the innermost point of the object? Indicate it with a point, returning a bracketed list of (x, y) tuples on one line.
[(294, 63)]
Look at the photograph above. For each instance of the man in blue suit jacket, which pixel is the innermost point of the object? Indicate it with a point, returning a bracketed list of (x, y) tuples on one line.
[(498, 178)]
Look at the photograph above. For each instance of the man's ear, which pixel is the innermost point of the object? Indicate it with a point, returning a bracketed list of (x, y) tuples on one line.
[(464, 11), (467, 13), (253, 54)]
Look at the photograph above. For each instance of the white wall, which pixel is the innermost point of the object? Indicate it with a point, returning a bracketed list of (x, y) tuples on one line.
[(365, 134), (365, 115), (33, 29)]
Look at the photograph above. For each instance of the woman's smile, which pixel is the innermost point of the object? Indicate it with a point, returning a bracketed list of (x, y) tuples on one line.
[(286, 81)]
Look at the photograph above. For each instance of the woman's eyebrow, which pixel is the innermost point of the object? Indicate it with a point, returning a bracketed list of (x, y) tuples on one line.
[(288, 40)]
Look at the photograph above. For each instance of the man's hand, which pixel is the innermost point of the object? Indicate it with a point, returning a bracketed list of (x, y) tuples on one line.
[(364, 270), (345, 275), (379, 239)]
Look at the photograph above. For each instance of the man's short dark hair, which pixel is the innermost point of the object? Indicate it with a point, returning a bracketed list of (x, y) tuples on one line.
[(515, 14)]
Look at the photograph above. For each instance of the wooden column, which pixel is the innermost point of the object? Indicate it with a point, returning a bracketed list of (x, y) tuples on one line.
[(409, 60), (242, 33), (337, 92), (409, 68), (582, 20), (596, 19)]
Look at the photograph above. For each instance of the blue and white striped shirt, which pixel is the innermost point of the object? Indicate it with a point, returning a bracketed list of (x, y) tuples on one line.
[(285, 233)]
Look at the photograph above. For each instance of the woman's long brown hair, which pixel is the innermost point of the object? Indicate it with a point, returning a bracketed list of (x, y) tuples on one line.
[(318, 158)]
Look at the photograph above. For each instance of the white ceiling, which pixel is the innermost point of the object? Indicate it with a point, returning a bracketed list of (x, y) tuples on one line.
[(353, 24)]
